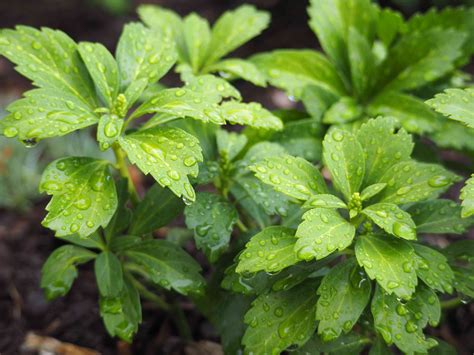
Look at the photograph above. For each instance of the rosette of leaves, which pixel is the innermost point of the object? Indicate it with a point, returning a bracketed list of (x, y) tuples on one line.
[(81, 85), (201, 49), (370, 221), (375, 64)]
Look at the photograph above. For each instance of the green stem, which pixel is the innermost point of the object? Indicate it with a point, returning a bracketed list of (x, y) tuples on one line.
[(241, 226), (150, 296), (121, 165), (452, 303)]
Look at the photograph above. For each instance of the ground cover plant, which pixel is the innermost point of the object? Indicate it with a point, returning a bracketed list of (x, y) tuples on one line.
[(318, 226)]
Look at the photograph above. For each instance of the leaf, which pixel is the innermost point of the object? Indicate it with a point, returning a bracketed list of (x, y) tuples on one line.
[(345, 110), (439, 216), (238, 67), (167, 265), (169, 154), (122, 216), (293, 70), (84, 195), (397, 322), (45, 113), (344, 157), (249, 114), (317, 100), (344, 294), (390, 261), (292, 176), (103, 69), (50, 59), (392, 219), (109, 130), (212, 218), (346, 344), (123, 314), (212, 87), (371, 190), (453, 135), (158, 208), (94, 241), (143, 53), (279, 319), (108, 273), (59, 270), (271, 250), (383, 146), (457, 104), (230, 144), (433, 269), (234, 28), (135, 90), (325, 201), (322, 232), (260, 151), (411, 181), (411, 112), (467, 197), (389, 24), (362, 63), (197, 36)]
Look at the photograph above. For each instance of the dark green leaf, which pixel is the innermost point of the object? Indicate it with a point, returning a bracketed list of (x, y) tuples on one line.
[(230, 144), (467, 197), (345, 110), (108, 273), (433, 269), (457, 104)]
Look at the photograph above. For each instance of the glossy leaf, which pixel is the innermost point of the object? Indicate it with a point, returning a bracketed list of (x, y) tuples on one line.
[(249, 114), (229, 144), (122, 216), (108, 273), (84, 196), (362, 62), (346, 344), (457, 104), (345, 110), (197, 35), (240, 68), (372, 190), (433, 269), (392, 219), (322, 232), (467, 197), (109, 130), (390, 23), (325, 201), (390, 261)]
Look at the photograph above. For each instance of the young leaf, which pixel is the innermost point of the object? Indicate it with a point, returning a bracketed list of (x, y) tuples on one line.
[(109, 130), (344, 294), (467, 197), (433, 269), (233, 29), (457, 104), (84, 196), (325, 201), (169, 154), (344, 158), (159, 207), (50, 59), (390, 261), (292, 176), (279, 319), (411, 181), (345, 110), (389, 24), (212, 218), (238, 67), (108, 273), (293, 70), (123, 314), (143, 53), (322, 232), (362, 63), (371, 190), (167, 265), (59, 270), (45, 113), (392, 219), (103, 69), (439, 216), (230, 144), (398, 323), (250, 114), (271, 250), (383, 147), (197, 35)]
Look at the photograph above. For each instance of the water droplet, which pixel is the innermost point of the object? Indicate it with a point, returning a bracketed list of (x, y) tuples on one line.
[(278, 312), (403, 190), (275, 179), (174, 174), (411, 326), (83, 203), (438, 181), (10, 132), (393, 284), (403, 230), (338, 136), (74, 228), (382, 214), (189, 161), (180, 92)]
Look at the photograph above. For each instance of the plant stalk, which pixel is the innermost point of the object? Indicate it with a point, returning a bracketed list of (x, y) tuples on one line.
[(122, 166)]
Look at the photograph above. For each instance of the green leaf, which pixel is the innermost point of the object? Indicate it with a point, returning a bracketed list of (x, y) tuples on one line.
[(212, 218), (169, 154), (467, 197), (280, 319), (398, 323), (433, 269), (84, 195), (158, 208), (411, 181), (94, 241), (103, 69), (59, 270), (238, 67), (389, 24), (347, 109), (317, 100), (213, 88), (292, 70), (167, 265), (453, 135), (325, 201), (411, 112), (109, 130), (197, 36), (443, 348), (271, 250), (457, 104), (108, 273), (346, 344), (420, 58), (322, 232), (233, 29), (249, 114), (344, 157), (121, 219), (439, 216), (143, 53), (134, 91), (390, 261), (45, 113), (344, 294), (392, 219), (123, 314), (383, 147), (362, 63), (260, 151), (50, 59), (292, 176), (371, 190), (230, 144)]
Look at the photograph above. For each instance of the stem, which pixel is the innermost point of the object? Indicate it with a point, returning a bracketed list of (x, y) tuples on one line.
[(452, 303), (150, 296), (123, 169), (241, 226), (181, 322)]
